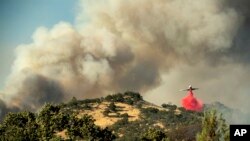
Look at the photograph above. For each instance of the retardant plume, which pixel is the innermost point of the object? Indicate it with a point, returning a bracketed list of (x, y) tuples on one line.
[(141, 45), (189, 102)]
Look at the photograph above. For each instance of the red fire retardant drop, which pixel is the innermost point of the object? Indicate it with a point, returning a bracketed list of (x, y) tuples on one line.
[(189, 102)]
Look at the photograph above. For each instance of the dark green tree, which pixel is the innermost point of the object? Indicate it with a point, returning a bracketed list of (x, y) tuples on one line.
[(164, 105), (154, 135), (49, 121), (214, 128), (169, 106), (112, 107), (25, 126), (84, 128), (19, 126)]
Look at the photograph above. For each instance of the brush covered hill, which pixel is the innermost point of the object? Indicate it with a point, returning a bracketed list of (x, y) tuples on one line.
[(114, 117)]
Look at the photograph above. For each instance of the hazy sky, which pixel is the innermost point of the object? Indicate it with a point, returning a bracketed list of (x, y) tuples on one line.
[(109, 46), (20, 18)]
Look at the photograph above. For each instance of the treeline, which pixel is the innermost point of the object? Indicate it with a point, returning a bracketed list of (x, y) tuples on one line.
[(211, 127), (53, 119), (131, 98), (155, 124), (45, 125), (62, 122)]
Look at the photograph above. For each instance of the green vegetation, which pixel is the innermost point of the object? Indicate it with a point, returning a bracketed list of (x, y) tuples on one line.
[(183, 126), (166, 123), (50, 120), (84, 128), (131, 98), (154, 135), (169, 106), (20, 126), (170, 118), (214, 128)]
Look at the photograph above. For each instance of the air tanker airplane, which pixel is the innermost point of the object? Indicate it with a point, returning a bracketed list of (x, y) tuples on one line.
[(189, 102), (190, 88)]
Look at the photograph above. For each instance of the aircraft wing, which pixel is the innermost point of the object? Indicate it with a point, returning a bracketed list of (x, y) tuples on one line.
[(184, 90), (195, 88)]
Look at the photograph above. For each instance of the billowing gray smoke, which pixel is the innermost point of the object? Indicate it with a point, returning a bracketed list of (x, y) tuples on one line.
[(142, 45), (3, 109)]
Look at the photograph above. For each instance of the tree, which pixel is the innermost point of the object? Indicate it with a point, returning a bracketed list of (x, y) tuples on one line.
[(19, 126), (154, 135), (49, 121), (112, 107), (214, 128), (84, 128), (169, 106), (73, 102), (129, 101), (134, 95), (164, 105), (123, 121), (224, 129)]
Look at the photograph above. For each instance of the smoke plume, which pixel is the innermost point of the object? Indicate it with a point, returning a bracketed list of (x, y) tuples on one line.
[(149, 46)]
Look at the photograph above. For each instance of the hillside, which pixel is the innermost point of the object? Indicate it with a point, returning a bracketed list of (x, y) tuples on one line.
[(127, 116)]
